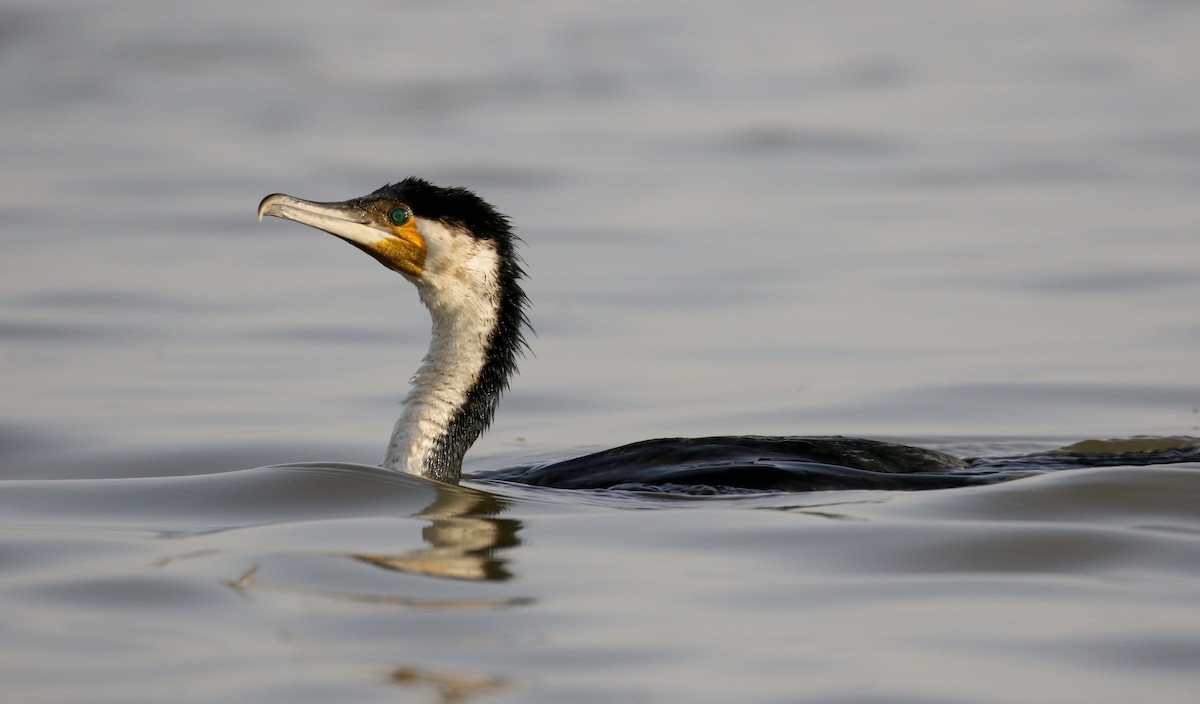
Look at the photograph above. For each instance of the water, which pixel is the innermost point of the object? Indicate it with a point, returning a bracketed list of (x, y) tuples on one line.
[(971, 228)]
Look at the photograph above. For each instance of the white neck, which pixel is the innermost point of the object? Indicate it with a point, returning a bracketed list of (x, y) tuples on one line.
[(458, 287)]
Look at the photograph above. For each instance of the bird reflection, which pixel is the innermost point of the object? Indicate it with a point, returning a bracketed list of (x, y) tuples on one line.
[(451, 687), (464, 539)]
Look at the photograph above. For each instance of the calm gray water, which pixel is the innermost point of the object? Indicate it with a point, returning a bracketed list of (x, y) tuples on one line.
[(973, 227)]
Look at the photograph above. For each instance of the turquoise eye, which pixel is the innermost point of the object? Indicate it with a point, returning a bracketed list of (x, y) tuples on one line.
[(399, 216)]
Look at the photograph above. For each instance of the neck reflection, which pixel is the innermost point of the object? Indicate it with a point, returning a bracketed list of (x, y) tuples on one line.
[(465, 539)]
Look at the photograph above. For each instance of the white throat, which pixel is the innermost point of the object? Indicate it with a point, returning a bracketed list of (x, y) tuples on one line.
[(459, 286)]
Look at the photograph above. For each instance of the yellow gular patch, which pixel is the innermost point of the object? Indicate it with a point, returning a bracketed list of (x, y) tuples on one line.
[(405, 251)]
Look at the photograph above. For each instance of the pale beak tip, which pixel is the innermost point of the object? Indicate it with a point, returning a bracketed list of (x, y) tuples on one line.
[(269, 205)]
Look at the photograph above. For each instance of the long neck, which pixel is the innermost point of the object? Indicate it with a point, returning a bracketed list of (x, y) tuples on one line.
[(453, 396)]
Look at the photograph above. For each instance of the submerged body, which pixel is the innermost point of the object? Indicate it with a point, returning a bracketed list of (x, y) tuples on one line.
[(749, 463), (460, 254)]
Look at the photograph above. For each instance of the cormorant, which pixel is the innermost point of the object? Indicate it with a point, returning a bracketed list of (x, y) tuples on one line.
[(460, 254)]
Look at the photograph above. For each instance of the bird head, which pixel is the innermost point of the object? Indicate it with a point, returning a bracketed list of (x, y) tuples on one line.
[(412, 227)]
